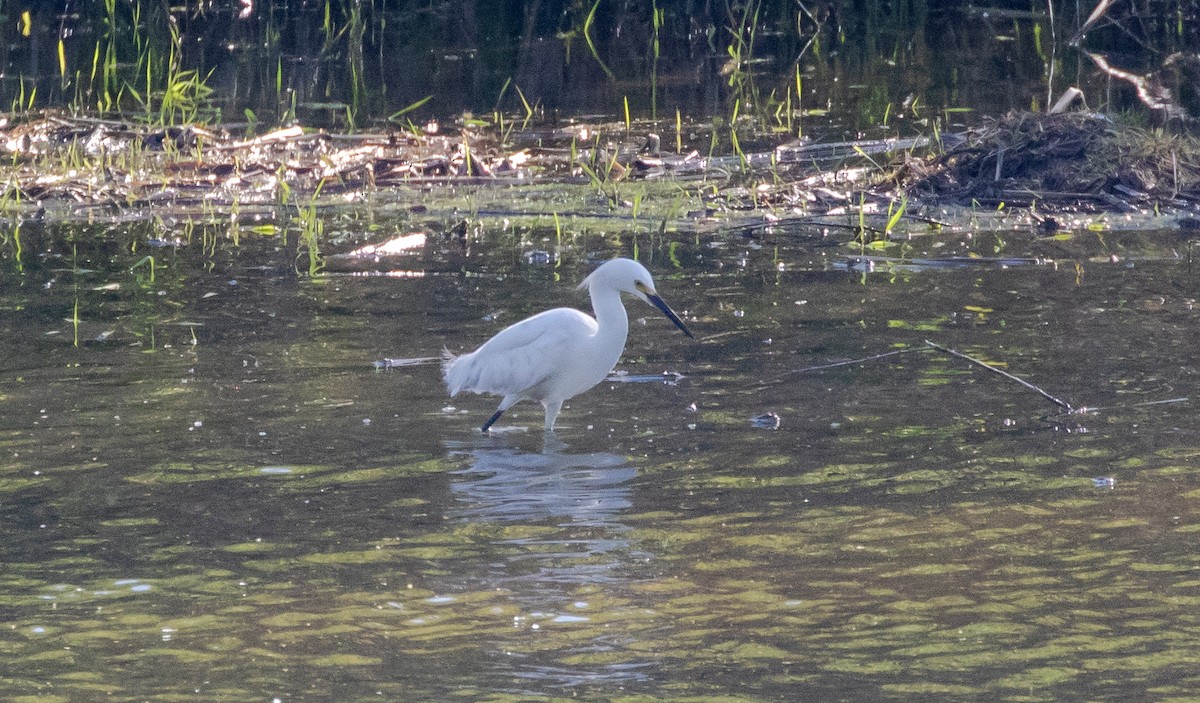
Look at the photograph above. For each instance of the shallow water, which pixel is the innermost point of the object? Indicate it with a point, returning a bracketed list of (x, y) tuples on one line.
[(210, 492)]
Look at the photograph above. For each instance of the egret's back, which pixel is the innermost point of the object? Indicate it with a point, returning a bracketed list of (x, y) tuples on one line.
[(522, 358)]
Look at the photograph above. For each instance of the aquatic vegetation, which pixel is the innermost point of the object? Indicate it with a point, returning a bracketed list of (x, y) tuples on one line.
[(312, 230)]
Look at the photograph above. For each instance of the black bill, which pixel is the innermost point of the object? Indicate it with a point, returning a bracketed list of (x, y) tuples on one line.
[(666, 310)]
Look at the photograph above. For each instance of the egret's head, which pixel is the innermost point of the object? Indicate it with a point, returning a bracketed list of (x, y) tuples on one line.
[(624, 275), (628, 276)]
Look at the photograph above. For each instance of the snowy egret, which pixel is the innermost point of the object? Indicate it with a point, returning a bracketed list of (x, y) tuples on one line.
[(559, 353)]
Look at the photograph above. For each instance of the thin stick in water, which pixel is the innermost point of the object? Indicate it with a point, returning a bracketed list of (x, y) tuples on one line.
[(1144, 404), (848, 362), (1057, 401)]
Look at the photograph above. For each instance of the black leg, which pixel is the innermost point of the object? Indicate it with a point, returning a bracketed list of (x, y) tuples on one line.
[(492, 420)]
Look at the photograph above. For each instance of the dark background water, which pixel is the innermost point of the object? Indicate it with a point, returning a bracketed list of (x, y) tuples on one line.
[(348, 62)]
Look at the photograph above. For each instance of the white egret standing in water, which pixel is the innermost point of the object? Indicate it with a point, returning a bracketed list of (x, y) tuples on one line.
[(560, 353)]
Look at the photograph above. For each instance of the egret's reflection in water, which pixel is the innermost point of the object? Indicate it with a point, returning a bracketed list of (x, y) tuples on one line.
[(575, 498), (507, 484), (559, 552)]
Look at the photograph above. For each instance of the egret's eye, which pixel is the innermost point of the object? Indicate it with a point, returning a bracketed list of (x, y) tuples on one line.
[(640, 286)]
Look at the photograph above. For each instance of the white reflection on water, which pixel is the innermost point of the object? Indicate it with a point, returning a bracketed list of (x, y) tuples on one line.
[(552, 574), (506, 484), (581, 495)]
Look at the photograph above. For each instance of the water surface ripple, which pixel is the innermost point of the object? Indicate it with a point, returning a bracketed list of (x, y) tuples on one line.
[(210, 492)]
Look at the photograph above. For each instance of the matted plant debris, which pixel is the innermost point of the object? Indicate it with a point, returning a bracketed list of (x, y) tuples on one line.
[(1085, 162), (1078, 160)]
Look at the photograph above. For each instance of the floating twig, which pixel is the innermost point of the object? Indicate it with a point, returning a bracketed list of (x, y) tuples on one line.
[(848, 362), (1057, 401), (1122, 406), (1070, 409)]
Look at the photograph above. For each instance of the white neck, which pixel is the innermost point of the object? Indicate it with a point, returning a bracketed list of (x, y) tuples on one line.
[(612, 320)]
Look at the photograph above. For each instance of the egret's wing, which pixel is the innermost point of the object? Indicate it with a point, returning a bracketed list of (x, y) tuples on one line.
[(521, 356)]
